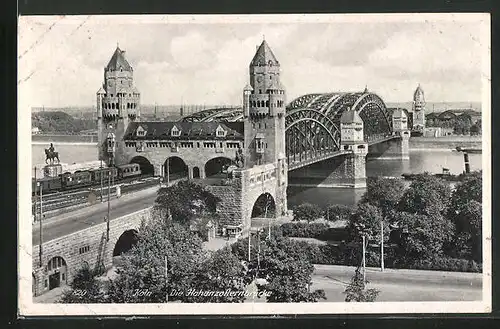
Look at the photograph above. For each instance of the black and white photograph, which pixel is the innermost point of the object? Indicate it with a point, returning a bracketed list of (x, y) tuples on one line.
[(254, 164)]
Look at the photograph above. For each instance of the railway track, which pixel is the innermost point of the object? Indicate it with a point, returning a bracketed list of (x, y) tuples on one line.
[(60, 200)]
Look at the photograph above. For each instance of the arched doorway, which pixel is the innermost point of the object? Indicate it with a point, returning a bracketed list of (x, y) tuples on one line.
[(196, 172), (57, 272), (264, 207), (217, 166), (146, 167), (125, 242), (175, 167)]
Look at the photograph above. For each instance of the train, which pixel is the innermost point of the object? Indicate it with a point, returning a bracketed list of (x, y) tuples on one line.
[(85, 178)]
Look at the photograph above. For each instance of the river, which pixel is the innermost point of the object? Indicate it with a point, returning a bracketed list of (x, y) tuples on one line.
[(430, 157)]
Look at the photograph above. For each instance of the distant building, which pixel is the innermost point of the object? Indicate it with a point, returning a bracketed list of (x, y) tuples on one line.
[(437, 118), (35, 131)]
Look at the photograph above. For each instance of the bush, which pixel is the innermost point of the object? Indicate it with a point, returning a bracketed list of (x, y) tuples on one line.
[(307, 212), (337, 213), (304, 230), (447, 264)]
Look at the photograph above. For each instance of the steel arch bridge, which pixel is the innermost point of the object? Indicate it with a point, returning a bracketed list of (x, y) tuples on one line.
[(312, 123)]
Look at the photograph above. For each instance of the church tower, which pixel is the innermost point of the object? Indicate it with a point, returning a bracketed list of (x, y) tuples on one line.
[(118, 103), (419, 109)]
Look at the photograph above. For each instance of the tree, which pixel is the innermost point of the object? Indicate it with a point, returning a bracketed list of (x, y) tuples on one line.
[(306, 211), (85, 288), (288, 272), (470, 189), (338, 212), (426, 195), (469, 230), (356, 290), (425, 235), (384, 193), (366, 221), (224, 275), (186, 202), (143, 267)]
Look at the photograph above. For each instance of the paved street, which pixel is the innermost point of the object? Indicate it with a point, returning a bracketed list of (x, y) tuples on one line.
[(83, 218), (401, 285)]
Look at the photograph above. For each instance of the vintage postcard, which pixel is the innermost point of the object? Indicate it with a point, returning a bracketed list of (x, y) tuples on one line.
[(254, 164)]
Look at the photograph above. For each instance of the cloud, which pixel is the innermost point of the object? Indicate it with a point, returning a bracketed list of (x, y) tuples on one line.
[(208, 63)]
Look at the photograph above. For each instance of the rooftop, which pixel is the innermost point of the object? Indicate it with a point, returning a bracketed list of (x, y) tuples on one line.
[(157, 130)]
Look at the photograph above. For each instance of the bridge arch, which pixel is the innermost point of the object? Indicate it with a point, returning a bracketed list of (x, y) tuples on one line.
[(176, 168), (146, 167), (313, 122), (125, 242), (216, 166), (264, 206), (57, 272)]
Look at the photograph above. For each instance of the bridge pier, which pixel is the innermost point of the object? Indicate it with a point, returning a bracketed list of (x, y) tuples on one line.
[(393, 149)]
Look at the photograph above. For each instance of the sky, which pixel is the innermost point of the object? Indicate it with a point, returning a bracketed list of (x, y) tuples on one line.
[(204, 60)]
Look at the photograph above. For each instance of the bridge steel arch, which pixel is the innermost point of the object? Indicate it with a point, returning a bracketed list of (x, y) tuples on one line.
[(313, 122)]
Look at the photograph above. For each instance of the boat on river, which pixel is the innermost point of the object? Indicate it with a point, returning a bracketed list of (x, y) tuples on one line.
[(446, 175)]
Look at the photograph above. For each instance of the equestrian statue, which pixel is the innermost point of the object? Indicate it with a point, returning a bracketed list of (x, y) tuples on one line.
[(51, 154)]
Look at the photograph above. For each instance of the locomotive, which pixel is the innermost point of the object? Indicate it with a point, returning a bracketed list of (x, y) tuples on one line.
[(78, 179)]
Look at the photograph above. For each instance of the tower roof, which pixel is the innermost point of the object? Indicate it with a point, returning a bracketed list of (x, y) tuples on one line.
[(118, 61), (263, 55), (419, 94), (101, 91), (351, 116), (248, 88)]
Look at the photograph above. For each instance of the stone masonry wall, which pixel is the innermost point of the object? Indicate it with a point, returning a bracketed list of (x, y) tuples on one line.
[(99, 250)]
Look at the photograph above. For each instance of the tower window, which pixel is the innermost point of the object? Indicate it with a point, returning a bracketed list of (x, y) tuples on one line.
[(260, 91), (267, 103), (111, 95), (270, 78), (113, 106)]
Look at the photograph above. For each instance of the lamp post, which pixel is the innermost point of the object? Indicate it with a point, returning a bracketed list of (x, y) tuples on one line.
[(40, 220), (109, 206), (364, 259), (382, 246), (101, 181)]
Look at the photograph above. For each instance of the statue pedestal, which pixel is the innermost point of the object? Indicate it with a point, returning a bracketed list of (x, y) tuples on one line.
[(52, 170)]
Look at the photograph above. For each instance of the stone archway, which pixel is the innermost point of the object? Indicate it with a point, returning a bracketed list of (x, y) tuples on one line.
[(175, 168), (263, 211), (264, 207), (217, 166), (146, 167), (125, 242), (57, 272)]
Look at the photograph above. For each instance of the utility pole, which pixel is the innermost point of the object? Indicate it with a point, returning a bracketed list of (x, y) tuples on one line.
[(364, 260), (166, 278), (40, 220), (249, 235), (102, 173), (258, 254), (109, 194), (382, 245), (168, 172)]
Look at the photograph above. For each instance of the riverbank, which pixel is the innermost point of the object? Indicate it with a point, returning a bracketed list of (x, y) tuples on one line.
[(445, 142), (64, 139)]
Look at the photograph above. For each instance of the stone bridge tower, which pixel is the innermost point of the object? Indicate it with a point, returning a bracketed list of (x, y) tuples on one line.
[(419, 109), (264, 103), (117, 105)]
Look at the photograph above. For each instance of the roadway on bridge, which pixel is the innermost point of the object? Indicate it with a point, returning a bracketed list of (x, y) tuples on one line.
[(401, 285), (77, 220)]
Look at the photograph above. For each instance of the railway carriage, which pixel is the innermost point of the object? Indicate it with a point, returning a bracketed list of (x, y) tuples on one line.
[(78, 179), (48, 184), (104, 172), (129, 170)]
